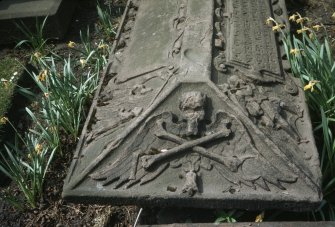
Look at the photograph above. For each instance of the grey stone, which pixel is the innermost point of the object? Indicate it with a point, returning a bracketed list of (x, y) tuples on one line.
[(182, 122), (59, 14)]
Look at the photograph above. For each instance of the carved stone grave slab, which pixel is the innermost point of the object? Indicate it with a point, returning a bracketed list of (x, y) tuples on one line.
[(198, 109)]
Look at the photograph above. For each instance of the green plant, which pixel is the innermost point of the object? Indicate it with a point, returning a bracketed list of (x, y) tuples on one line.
[(326, 211), (26, 166), (65, 95), (10, 70), (48, 130), (61, 109), (311, 59), (105, 21), (85, 38), (92, 54), (58, 113), (34, 39), (225, 217)]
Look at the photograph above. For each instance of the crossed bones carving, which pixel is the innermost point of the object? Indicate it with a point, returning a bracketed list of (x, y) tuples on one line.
[(231, 162)]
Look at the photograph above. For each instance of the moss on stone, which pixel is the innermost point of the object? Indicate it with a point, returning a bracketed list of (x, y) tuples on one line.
[(10, 70)]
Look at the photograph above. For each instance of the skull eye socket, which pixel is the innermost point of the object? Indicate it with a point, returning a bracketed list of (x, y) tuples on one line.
[(198, 108), (193, 109), (194, 112)]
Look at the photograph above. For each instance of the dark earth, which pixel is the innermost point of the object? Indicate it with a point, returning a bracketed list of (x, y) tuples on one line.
[(54, 211)]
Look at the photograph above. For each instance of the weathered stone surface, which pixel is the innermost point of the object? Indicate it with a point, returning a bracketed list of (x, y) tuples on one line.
[(198, 111), (59, 14)]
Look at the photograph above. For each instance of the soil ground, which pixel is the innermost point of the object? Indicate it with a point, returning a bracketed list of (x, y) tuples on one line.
[(53, 211)]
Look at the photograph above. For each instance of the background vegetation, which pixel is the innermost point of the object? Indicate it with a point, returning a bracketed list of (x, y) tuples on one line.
[(10, 70)]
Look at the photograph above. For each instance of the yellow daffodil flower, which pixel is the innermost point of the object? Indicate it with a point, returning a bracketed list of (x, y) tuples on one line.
[(102, 46), (299, 31), (302, 20), (82, 62), (71, 44), (310, 85), (278, 27), (3, 120), (38, 148), (298, 15), (269, 21), (260, 217), (317, 27), (293, 17), (42, 75), (294, 51), (37, 55)]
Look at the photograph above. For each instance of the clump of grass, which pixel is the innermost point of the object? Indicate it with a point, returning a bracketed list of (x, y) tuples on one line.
[(225, 217), (34, 39), (91, 55), (65, 95), (62, 110), (10, 70), (105, 21), (26, 163), (311, 59)]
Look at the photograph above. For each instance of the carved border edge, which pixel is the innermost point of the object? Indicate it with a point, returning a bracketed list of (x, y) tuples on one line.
[(105, 75), (252, 203), (286, 67)]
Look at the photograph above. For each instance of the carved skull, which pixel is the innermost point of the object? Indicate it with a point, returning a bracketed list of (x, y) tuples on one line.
[(192, 108)]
